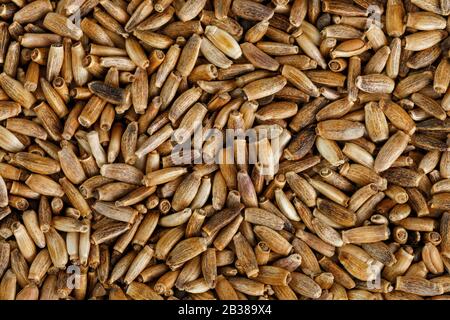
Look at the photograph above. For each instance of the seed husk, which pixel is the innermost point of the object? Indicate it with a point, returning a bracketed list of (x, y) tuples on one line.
[(341, 130), (185, 251)]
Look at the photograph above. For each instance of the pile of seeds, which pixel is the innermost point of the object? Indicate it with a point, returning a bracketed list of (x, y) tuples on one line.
[(334, 183)]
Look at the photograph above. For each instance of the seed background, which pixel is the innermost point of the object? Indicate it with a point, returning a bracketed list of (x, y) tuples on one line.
[(348, 198)]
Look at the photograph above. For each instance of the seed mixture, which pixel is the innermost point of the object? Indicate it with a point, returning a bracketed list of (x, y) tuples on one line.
[(336, 184)]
